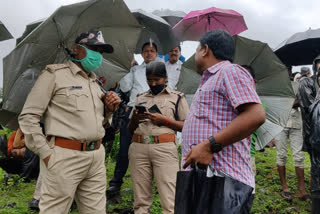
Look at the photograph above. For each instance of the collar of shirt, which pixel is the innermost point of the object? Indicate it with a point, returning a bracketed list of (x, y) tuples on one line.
[(157, 59), (213, 70), (75, 69), (177, 63), (166, 90)]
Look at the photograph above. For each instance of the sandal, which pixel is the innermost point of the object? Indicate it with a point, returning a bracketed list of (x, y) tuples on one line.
[(305, 197), (286, 195)]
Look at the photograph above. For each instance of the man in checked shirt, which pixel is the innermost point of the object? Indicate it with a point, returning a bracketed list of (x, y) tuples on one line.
[(224, 112)]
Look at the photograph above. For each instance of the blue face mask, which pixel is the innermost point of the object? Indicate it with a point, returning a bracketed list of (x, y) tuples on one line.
[(92, 61)]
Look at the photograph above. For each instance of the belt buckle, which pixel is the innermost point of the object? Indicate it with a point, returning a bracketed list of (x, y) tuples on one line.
[(91, 145), (148, 139), (151, 140)]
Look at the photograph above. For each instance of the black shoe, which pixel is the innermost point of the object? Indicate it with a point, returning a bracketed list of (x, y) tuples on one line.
[(34, 204), (113, 190)]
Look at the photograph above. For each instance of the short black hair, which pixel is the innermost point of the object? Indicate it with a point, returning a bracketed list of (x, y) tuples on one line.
[(156, 68), (149, 44), (178, 46), (220, 42), (250, 70)]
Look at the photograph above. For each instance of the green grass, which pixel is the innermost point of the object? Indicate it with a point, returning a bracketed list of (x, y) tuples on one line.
[(268, 187), (267, 199)]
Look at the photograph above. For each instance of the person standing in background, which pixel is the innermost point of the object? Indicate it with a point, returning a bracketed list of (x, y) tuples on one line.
[(134, 82), (173, 66)]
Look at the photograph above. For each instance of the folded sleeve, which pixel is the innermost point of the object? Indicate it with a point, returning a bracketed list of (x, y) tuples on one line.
[(239, 86), (126, 83), (183, 109)]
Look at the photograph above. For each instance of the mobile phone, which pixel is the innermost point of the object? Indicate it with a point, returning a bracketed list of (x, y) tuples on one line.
[(154, 109), (141, 109)]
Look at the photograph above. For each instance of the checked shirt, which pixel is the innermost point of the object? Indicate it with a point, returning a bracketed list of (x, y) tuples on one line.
[(223, 88)]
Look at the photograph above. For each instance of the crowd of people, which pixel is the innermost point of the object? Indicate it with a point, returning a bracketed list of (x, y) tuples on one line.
[(67, 118)]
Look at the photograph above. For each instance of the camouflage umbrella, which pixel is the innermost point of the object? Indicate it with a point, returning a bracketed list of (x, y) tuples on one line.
[(4, 33), (29, 28), (273, 84), (47, 44)]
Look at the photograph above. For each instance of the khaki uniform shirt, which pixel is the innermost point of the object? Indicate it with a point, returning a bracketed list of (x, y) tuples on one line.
[(69, 102), (166, 102), (295, 120)]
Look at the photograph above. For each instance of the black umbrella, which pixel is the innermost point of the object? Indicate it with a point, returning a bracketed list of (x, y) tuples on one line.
[(155, 29), (300, 49), (171, 16)]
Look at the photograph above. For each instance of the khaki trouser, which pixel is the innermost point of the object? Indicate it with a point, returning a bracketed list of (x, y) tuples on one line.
[(37, 191), (254, 170), (296, 142), (71, 173), (153, 160)]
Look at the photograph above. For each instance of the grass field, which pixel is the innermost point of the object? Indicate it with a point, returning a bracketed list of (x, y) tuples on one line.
[(14, 198)]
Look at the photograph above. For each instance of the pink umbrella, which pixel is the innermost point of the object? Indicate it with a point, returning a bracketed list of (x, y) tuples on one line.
[(198, 22)]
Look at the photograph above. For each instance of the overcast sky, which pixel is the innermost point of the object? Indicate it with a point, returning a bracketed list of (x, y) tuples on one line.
[(270, 21)]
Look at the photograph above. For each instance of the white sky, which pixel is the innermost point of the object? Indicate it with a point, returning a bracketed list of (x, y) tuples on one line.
[(270, 21)]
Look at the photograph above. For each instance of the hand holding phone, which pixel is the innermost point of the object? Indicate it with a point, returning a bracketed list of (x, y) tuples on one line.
[(154, 109), (141, 109)]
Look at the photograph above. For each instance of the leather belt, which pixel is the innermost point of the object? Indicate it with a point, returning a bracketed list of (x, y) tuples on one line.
[(164, 138), (76, 144)]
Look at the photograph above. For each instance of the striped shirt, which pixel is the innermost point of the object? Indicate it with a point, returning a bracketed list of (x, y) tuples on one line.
[(223, 88)]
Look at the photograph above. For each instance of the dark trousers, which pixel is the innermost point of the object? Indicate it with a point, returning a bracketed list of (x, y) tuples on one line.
[(122, 159), (315, 181)]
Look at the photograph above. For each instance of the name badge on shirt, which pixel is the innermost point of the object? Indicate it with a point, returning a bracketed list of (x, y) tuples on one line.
[(75, 87)]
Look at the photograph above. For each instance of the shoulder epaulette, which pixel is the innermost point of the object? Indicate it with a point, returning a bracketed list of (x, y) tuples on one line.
[(54, 67), (178, 93), (144, 93)]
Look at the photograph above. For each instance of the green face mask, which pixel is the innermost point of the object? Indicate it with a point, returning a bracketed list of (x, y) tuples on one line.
[(91, 62)]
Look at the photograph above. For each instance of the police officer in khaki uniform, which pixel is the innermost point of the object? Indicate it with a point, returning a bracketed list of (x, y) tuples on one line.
[(73, 109), (153, 152)]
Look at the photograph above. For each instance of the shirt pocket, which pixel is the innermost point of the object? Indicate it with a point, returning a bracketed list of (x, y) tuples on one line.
[(205, 103), (80, 98), (168, 108), (99, 103)]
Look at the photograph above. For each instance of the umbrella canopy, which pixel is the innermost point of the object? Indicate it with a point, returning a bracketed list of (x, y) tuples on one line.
[(9, 119), (29, 28), (4, 33), (155, 29), (46, 45), (300, 49), (171, 16), (198, 22), (273, 84)]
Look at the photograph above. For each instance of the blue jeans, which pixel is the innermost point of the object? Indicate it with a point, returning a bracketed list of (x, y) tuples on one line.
[(122, 159)]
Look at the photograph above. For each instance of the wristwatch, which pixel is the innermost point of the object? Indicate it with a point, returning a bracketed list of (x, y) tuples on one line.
[(214, 146)]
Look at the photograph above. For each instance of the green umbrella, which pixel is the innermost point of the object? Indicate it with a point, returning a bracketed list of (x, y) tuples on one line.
[(29, 28), (273, 84), (4, 33), (47, 44)]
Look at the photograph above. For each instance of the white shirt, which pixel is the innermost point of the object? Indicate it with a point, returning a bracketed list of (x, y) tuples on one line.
[(135, 82), (173, 71)]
